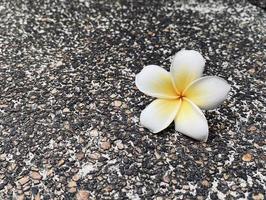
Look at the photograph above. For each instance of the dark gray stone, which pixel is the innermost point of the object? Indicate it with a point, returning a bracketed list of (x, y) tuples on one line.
[(64, 62)]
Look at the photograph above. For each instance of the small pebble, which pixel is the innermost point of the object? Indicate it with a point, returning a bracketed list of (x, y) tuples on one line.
[(205, 183), (186, 187), (251, 71), (105, 145), (72, 184), (94, 133), (252, 128), (61, 162), (80, 155), (35, 175), (72, 190), (82, 195), (2, 157), (37, 197), (247, 157), (120, 146), (76, 177), (54, 91), (95, 156), (117, 103), (66, 110), (3, 106), (24, 180), (108, 189), (166, 179), (21, 197), (258, 196)]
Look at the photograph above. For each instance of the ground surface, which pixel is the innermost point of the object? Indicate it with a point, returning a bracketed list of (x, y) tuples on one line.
[(69, 109)]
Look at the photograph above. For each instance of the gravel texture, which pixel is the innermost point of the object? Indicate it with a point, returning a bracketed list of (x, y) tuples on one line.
[(69, 108), (260, 3)]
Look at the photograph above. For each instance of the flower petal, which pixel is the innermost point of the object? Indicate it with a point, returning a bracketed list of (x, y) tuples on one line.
[(156, 82), (208, 92), (159, 114), (191, 121), (187, 65)]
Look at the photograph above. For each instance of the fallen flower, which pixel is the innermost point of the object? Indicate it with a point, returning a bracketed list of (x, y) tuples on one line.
[(181, 93)]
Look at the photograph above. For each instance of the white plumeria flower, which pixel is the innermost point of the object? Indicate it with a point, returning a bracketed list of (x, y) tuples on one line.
[(181, 93)]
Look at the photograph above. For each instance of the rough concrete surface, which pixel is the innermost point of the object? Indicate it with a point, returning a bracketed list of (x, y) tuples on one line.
[(69, 108)]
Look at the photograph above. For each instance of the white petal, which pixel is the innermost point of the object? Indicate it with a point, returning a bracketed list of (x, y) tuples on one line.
[(187, 66), (191, 121), (208, 92), (159, 114), (156, 82)]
